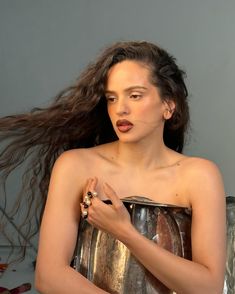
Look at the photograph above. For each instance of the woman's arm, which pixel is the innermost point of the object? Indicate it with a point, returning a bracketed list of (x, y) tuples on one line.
[(59, 231), (205, 273)]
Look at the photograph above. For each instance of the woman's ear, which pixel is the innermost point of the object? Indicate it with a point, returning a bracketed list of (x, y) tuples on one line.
[(169, 109)]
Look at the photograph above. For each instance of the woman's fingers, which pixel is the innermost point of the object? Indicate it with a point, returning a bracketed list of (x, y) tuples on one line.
[(86, 187), (111, 194), (90, 186), (93, 185)]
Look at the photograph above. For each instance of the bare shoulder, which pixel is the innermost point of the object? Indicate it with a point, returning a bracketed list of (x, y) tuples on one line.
[(201, 169), (68, 162), (204, 179), (83, 160), (69, 169), (74, 157)]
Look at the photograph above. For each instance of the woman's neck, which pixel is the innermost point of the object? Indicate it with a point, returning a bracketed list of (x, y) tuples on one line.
[(146, 156)]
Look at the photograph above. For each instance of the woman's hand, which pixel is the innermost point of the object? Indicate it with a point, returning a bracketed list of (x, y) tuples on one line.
[(112, 218)]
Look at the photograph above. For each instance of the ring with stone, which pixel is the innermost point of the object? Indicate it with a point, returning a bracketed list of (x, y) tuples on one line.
[(87, 201), (85, 205), (84, 214), (89, 194), (94, 194)]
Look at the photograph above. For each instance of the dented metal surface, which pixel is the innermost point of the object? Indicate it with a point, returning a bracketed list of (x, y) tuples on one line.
[(109, 264)]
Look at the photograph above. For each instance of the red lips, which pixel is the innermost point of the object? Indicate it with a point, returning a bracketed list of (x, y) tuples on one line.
[(124, 125)]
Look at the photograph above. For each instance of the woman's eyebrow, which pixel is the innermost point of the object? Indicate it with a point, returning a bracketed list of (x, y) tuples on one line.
[(128, 89), (135, 88)]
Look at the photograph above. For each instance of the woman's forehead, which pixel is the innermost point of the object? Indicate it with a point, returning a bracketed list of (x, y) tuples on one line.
[(128, 74)]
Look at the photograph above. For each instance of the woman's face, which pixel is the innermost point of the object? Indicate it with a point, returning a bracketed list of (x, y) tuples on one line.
[(134, 105)]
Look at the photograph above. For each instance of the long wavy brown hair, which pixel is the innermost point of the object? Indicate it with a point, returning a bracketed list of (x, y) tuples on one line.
[(78, 118)]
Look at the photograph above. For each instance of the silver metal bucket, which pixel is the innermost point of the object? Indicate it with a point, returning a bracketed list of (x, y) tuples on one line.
[(229, 285), (109, 264)]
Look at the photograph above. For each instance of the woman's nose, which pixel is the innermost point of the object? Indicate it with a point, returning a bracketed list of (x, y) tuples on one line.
[(122, 107)]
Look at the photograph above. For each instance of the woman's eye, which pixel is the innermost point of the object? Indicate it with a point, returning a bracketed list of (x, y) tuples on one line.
[(110, 99), (136, 96)]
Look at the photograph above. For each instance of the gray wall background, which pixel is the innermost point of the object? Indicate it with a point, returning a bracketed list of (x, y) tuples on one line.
[(45, 44)]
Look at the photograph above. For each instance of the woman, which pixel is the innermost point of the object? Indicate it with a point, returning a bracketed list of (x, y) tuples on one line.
[(123, 125)]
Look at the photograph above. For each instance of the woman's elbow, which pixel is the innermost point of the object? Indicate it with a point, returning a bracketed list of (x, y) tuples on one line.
[(41, 282)]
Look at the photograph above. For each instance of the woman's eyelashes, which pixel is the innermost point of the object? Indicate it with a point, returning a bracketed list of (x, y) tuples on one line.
[(133, 96), (110, 99), (136, 96)]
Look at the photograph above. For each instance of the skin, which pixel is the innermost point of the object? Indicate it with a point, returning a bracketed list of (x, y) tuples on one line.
[(131, 96)]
